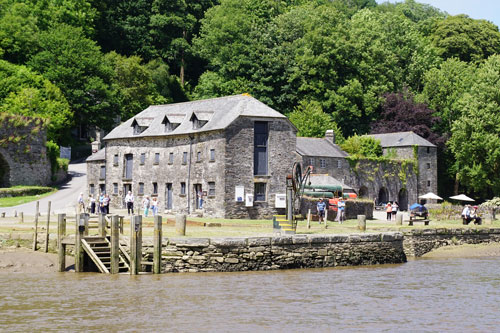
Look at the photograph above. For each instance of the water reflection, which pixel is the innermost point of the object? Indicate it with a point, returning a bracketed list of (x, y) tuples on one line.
[(426, 294)]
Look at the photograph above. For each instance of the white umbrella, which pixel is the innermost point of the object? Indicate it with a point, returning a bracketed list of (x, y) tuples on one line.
[(461, 197), (430, 196)]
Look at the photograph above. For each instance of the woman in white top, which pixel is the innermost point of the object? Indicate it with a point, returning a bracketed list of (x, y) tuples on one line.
[(395, 208), (154, 206)]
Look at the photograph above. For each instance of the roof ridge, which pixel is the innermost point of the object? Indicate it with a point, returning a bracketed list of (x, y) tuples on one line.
[(204, 99)]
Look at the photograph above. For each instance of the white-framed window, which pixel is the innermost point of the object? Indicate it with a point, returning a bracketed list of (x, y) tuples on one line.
[(155, 188), (115, 188), (102, 174), (143, 158), (322, 163), (198, 156), (91, 189), (157, 158), (212, 155), (183, 188), (115, 159), (311, 161), (171, 158), (184, 157), (339, 164), (141, 188)]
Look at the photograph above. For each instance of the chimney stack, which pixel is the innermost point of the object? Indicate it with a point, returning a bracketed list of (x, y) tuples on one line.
[(96, 146), (330, 135)]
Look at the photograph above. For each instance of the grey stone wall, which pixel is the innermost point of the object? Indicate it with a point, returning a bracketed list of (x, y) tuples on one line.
[(420, 241), (192, 172), (23, 155), (427, 170), (239, 166), (269, 253)]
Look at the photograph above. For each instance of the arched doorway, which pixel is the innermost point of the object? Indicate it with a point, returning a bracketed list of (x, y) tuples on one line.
[(403, 199), (383, 196), (363, 192), (4, 172)]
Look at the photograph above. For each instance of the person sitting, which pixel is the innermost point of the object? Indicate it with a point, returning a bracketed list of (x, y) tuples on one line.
[(474, 215)]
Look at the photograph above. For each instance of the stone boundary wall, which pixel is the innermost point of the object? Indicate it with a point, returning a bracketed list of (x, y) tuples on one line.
[(418, 242), (270, 253)]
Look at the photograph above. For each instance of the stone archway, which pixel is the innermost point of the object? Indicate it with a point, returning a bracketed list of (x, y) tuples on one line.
[(403, 199), (4, 172), (363, 192), (383, 196)]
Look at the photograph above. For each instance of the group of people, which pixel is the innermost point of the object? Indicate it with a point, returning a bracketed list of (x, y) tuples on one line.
[(391, 208), (321, 209), (93, 206), (470, 213), (147, 204)]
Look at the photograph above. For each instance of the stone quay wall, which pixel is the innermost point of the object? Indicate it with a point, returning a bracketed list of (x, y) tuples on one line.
[(284, 252), (418, 242)]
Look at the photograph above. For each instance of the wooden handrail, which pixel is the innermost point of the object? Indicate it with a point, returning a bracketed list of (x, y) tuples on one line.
[(94, 257)]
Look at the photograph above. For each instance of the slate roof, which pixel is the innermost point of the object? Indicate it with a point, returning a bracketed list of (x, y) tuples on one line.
[(318, 147), (401, 139), (219, 112), (325, 179), (99, 156)]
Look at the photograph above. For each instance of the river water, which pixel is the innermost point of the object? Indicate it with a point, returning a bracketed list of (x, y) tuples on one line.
[(431, 295)]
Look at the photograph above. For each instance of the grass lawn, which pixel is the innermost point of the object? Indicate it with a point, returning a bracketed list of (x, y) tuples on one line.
[(240, 228), (14, 201)]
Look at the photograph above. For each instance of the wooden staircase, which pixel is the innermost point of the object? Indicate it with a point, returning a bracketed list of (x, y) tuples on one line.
[(99, 251)]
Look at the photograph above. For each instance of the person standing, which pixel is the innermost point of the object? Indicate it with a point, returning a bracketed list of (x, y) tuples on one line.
[(145, 205), (129, 200), (80, 204), (101, 199), (92, 204), (154, 206), (200, 199), (105, 204), (394, 211), (341, 209), (388, 210), (321, 207)]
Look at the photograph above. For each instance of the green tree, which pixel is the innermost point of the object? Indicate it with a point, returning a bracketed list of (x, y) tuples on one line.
[(136, 89), (76, 65), (475, 139), (27, 93), (18, 32), (311, 121), (465, 38)]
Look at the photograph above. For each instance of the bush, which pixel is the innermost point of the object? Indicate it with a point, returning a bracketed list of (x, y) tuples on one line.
[(362, 146), (21, 191), (53, 153), (62, 164)]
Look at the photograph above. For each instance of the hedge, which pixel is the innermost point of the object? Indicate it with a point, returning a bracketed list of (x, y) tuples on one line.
[(21, 191)]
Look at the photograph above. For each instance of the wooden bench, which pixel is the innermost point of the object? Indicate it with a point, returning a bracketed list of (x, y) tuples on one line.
[(418, 219)]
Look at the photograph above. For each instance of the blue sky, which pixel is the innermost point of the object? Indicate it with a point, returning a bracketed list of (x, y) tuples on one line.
[(477, 9)]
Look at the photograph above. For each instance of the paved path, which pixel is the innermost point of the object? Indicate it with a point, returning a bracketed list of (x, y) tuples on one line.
[(63, 201)]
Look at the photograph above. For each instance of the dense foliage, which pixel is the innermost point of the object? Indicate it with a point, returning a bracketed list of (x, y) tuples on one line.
[(348, 65)]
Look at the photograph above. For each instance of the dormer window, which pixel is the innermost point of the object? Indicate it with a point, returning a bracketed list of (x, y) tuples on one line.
[(141, 124), (169, 124), (200, 118)]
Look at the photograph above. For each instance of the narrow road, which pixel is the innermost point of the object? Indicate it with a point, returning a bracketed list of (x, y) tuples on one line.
[(63, 201)]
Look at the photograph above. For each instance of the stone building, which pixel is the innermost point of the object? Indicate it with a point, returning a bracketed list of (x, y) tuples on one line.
[(410, 172), (235, 151), (23, 155)]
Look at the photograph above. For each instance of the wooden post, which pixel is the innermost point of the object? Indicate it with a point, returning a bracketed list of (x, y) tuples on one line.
[(61, 248), (362, 222), (157, 245), (15, 213), (79, 234), (180, 224), (121, 225), (47, 229), (86, 221), (102, 225), (115, 244), (135, 244), (21, 217), (35, 234), (309, 218), (399, 219)]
